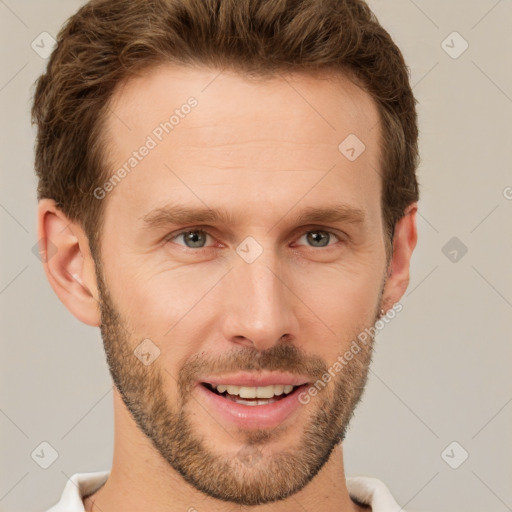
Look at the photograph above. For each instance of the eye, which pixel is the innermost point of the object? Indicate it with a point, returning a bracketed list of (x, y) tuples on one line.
[(319, 237), (193, 238), (197, 238)]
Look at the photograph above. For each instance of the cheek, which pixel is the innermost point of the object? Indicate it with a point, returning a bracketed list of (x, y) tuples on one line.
[(344, 301), (160, 303)]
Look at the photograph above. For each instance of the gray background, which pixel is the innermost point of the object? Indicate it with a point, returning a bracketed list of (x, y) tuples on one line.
[(441, 370)]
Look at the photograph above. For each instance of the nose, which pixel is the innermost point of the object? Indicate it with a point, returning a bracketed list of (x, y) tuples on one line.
[(259, 309)]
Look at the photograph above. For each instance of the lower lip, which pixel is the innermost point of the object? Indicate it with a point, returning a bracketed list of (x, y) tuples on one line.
[(252, 416)]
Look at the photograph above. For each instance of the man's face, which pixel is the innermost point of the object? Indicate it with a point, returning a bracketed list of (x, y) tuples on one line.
[(291, 298)]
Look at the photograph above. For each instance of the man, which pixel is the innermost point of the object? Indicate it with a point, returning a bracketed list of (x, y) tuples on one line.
[(229, 191)]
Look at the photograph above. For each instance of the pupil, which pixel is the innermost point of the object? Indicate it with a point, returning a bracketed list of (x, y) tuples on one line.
[(316, 236), (196, 238)]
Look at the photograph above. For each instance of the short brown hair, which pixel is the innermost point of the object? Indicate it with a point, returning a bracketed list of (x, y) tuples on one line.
[(108, 41)]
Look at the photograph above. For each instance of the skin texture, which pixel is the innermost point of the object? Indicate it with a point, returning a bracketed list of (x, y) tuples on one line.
[(258, 150)]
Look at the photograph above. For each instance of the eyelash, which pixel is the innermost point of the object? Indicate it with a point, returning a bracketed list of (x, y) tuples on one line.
[(173, 236)]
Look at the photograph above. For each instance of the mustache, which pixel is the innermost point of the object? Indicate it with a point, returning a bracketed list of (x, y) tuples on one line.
[(282, 357)]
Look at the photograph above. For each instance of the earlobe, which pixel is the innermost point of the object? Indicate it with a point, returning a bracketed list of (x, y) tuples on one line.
[(404, 241), (68, 263)]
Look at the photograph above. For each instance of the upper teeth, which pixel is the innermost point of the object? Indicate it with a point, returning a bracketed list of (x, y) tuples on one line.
[(258, 392)]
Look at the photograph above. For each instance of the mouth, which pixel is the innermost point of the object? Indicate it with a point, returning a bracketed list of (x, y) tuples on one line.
[(267, 407), (252, 396)]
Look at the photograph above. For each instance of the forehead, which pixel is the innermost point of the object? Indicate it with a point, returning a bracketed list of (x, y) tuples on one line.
[(327, 100), (243, 135)]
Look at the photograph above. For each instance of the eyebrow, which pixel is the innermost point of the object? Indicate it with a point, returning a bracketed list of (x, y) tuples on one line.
[(178, 214)]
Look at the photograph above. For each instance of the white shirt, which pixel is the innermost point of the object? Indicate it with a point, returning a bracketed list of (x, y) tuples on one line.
[(366, 490)]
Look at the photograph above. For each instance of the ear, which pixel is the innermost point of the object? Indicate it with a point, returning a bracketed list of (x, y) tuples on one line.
[(404, 242), (68, 263)]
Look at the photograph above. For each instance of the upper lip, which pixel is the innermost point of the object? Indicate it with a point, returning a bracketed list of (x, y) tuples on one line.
[(256, 379)]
